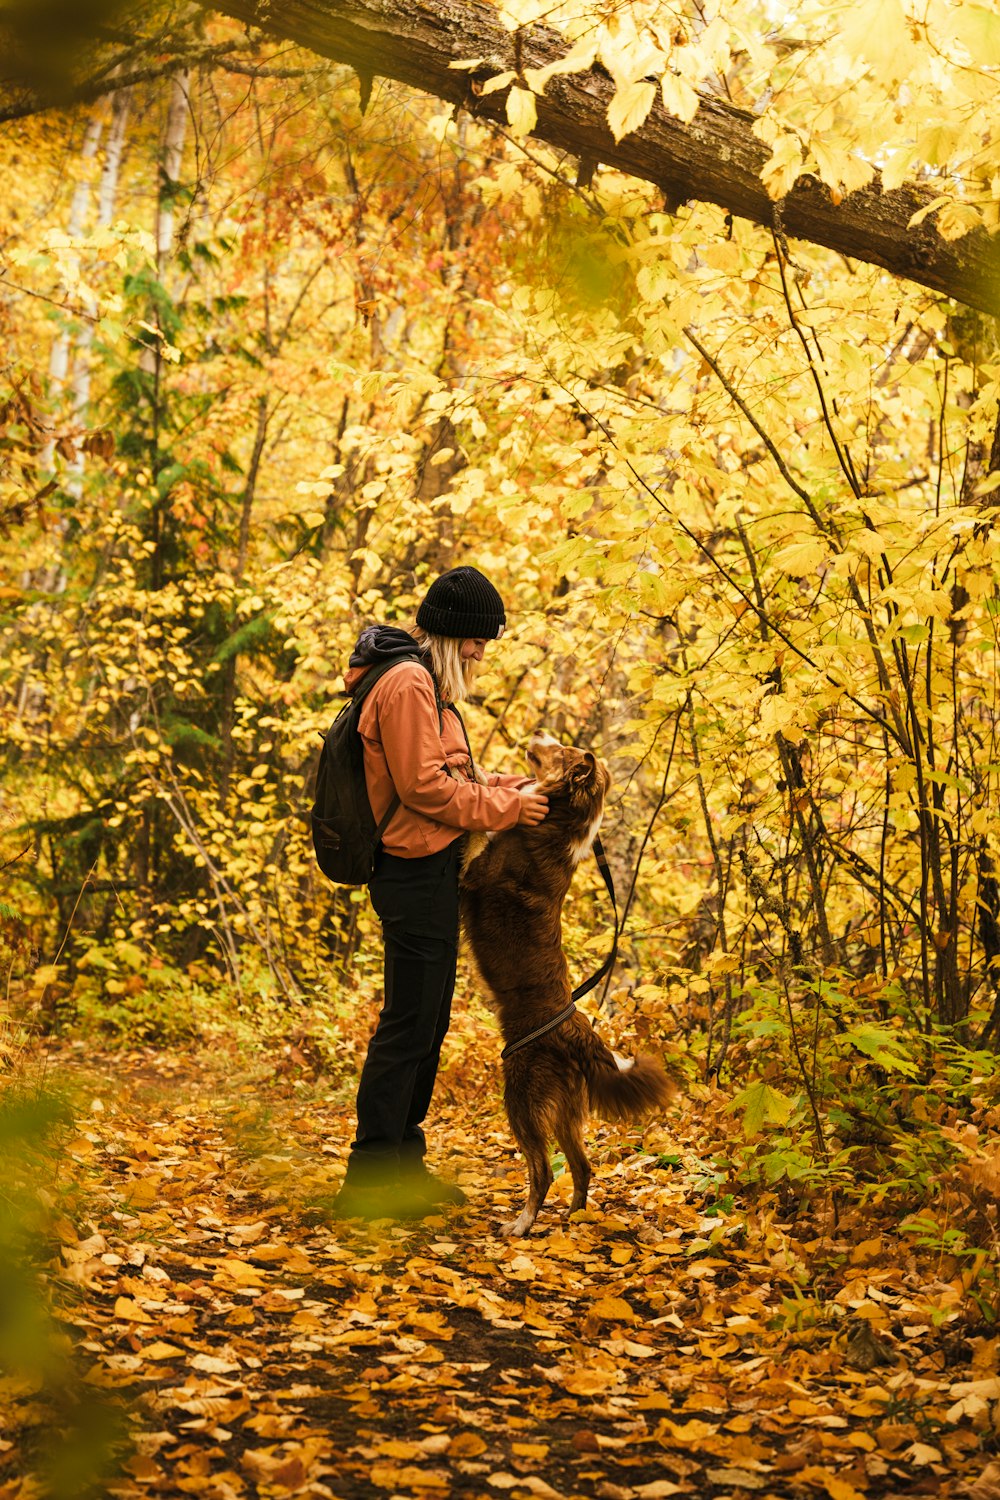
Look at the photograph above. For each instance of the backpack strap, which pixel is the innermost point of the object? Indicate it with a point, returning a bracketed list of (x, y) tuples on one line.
[(376, 671), (373, 674), (390, 813), (465, 734)]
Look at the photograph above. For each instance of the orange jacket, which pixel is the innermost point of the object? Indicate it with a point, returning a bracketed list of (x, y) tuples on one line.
[(427, 765)]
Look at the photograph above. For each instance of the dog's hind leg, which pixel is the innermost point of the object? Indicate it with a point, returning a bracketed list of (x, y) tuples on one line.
[(569, 1134), (533, 1146)]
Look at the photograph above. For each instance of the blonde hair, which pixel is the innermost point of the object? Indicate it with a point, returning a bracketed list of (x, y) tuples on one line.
[(454, 676)]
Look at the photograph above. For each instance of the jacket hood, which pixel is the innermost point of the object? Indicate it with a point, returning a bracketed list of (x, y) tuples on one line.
[(377, 644)]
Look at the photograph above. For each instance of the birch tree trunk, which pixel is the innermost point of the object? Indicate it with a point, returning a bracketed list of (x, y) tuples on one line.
[(106, 196), (152, 356), (59, 354), (170, 167)]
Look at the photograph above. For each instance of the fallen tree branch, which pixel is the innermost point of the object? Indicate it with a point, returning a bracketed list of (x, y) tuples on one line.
[(714, 159)]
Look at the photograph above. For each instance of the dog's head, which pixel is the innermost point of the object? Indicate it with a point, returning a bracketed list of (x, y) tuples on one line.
[(556, 767)]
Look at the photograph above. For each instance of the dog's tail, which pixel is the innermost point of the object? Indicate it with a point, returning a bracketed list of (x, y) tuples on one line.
[(622, 1088)]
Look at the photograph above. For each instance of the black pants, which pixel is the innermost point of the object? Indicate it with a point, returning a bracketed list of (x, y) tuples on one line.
[(417, 901)]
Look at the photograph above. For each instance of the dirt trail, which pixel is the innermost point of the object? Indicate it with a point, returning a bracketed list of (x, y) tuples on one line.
[(647, 1348)]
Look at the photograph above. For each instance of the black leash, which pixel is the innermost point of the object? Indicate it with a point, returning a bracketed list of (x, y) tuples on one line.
[(609, 962), (532, 1036), (588, 984)]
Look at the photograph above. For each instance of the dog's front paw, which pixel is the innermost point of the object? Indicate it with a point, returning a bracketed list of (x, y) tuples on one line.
[(516, 1227)]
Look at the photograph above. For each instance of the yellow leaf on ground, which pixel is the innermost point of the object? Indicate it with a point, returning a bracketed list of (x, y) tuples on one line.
[(586, 1382), (396, 1449), (530, 1482), (126, 1308), (740, 1479), (466, 1445), (836, 1488), (213, 1365), (612, 1310), (691, 1432), (987, 1486), (431, 1325), (240, 1272), (143, 1191), (389, 1477), (988, 1389), (921, 1454), (248, 1234), (290, 1257)]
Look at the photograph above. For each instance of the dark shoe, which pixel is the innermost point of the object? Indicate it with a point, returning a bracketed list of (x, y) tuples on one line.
[(434, 1189), (379, 1201)]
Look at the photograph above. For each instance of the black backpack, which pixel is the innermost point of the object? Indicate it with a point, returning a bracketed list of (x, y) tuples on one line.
[(345, 835)]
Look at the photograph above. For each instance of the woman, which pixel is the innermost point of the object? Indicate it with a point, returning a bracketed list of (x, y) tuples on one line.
[(415, 748)]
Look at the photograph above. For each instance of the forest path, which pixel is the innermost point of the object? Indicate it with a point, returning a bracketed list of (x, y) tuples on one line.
[(646, 1348)]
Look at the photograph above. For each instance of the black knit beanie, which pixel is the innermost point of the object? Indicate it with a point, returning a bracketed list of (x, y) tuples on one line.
[(462, 603)]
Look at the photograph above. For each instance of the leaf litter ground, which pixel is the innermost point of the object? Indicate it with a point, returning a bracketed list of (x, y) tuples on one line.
[(646, 1348)]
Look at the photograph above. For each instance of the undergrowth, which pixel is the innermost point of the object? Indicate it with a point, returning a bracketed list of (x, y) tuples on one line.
[(73, 1434)]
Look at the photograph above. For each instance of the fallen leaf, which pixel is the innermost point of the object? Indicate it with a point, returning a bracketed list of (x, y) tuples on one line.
[(921, 1454), (836, 1488), (240, 1272), (466, 1445), (740, 1479), (212, 1364), (247, 1234), (130, 1311), (612, 1310), (389, 1477), (986, 1486), (585, 1382)]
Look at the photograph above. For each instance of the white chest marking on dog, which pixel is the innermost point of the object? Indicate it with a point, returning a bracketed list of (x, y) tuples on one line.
[(624, 1063), (583, 847)]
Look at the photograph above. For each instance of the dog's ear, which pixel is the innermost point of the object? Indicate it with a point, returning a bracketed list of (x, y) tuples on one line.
[(584, 769)]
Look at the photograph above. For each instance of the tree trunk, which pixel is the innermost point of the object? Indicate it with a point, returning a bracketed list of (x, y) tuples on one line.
[(59, 354), (170, 165), (227, 716), (714, 159), (106, 194), (151, 358)]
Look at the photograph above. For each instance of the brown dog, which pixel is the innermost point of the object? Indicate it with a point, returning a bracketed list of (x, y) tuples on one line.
[(512, 897)]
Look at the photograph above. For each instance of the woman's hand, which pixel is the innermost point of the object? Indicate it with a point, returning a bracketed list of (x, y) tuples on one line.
[(534, 805)]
